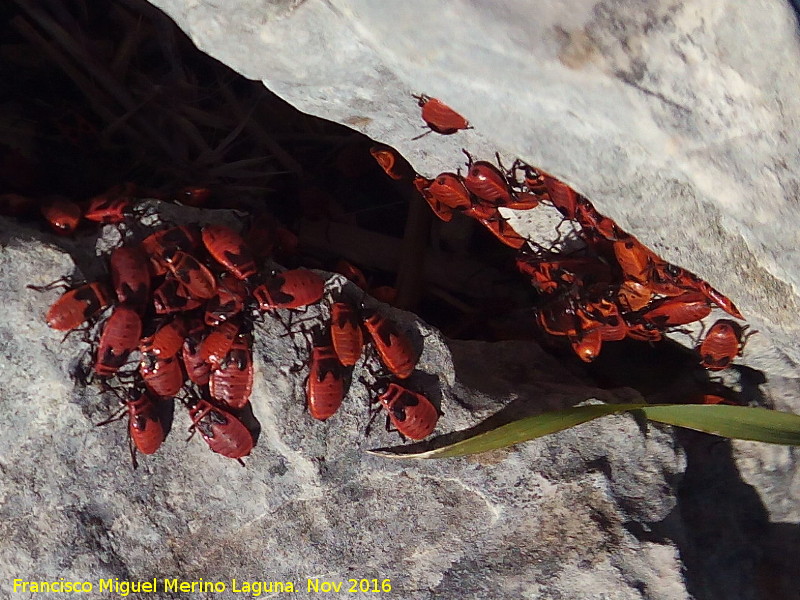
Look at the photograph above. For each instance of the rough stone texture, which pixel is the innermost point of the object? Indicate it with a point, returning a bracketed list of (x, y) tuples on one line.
[(550, 518)]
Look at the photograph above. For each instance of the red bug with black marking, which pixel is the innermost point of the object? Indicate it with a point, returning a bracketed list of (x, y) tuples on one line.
[(346, 334), (77, 306), (162, 376), (325, 386), (195, 277), (130, 274), (121, 334), (232, 381), (197, 369), (291, 289), (224, 433), (146, 430), (170, 297), (219, 341), (112, 206), (228, 302), (680, 310), (393, 347), (724, 342), (449, 190), (157, 246), (409, 412), (439, 117), (167, 339), (229, 249)]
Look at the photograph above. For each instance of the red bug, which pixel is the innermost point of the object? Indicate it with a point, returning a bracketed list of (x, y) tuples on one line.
[(352, 272), (62, 215), (228, 248), (165, 241), (439, 117), (384, 293), (198, 281), (411, 413), (348, 339), (194, 196), (445, 213), (449, 190), (130, 274), (224, 433), (232, 381), (644, 332), (218, 343), (633, 296), (504, 232), (162, 376), (228, 302), (487, 182), (594, 223), (145, 429), (197, 369), (558, 318), (167, 339), (290, 289), (692, 281), (112, 206), (635, 259), (680, 310), (325, 384), (170, 297), (562, 196), (121, 333), (391, 162), (587, 344), (77, 306), (393, 347), (723, 342)]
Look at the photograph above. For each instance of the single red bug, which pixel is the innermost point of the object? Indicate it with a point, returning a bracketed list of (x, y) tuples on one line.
[(197, 369), (562, 196), (228, 248), (348, 339), (290, 289), (393, 347), (130, 274), (449, 190), (325, 384), (113, 205), (167, 339), (487, 183), (146, 431), (228, 302), (587, 344), (219, 341), (62, 215), (165, 241), (162, 376), (411, 413), (439, 117), (392, 162), (121, 333), (232, 381), (723, 342), (77, 306), (224, 433), (680, 310), (195, 277), (352, 272)]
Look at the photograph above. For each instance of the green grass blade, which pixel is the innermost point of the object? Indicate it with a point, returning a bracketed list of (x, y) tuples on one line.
[(740, 422)]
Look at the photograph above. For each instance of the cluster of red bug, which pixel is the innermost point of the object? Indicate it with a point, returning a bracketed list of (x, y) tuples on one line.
[(610, 287), (178, 324)]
